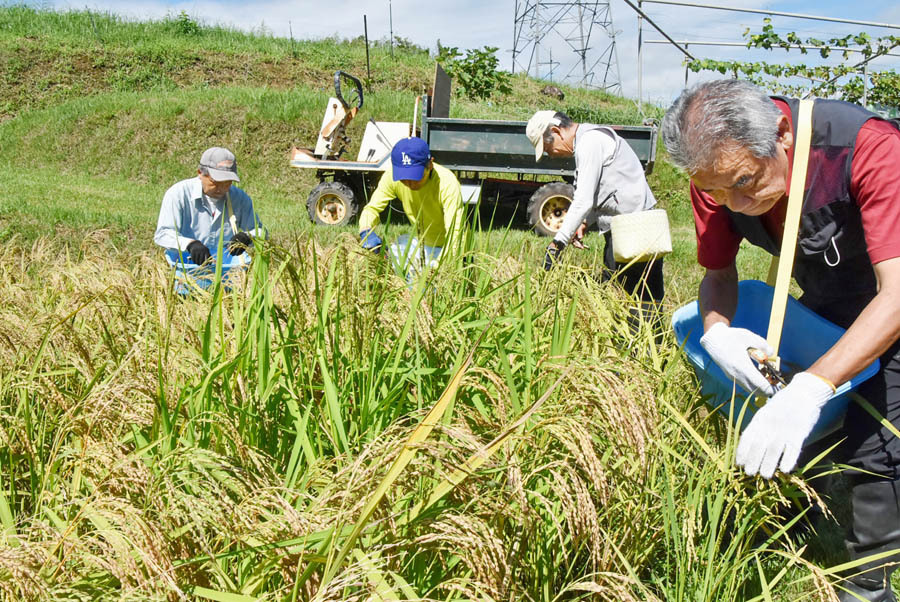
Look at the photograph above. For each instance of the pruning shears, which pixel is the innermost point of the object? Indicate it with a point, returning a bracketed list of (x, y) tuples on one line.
[(769, 367)]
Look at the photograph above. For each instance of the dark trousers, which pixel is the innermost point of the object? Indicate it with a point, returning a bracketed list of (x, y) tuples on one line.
[(643, 280)]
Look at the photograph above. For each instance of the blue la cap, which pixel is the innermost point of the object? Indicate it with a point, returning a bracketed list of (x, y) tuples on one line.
[(409, 158)]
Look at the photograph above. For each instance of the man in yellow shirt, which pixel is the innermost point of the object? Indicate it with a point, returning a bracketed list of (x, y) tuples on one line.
[(432, 200)]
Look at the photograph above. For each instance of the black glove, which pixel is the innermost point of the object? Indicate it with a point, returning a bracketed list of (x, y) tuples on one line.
[(240, 242), (199, 252), (551, 257)]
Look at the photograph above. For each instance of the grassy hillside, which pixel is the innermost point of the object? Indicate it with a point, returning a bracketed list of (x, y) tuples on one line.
[(113, 112), (51, 57)]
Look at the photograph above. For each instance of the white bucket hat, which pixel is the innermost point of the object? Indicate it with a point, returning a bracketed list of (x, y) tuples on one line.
[(535, 129)]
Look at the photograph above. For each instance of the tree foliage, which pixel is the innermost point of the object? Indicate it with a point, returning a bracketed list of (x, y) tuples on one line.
[(185, 25), (476, 73), (825, 80)]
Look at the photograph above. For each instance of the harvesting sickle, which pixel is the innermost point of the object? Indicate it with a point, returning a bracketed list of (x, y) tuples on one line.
[(768, 366)]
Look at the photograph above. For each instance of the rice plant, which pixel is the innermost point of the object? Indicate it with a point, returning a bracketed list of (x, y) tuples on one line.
[(323, 431)]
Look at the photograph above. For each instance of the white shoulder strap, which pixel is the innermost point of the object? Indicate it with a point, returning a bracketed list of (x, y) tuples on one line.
[(791, 223), (231, 217)]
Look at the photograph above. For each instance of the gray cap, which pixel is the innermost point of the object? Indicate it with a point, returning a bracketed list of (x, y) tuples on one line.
[(220, 163)]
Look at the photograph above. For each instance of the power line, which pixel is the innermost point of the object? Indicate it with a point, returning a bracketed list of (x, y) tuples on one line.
[(744, 45)]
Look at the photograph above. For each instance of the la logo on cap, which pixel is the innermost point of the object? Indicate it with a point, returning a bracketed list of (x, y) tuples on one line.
[(406, 159)]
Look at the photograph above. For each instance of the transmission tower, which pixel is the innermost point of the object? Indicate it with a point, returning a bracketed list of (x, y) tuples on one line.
[(539, 24)]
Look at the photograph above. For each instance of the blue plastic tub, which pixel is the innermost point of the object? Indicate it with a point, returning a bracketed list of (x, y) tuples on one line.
[(189, 276), (805, 338)]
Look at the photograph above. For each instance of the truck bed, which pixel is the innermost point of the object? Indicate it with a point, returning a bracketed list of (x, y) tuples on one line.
[(484, 145)]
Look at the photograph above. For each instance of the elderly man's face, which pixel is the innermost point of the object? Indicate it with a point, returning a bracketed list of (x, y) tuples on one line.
[(213, 188), (562, 144), (748, 184)]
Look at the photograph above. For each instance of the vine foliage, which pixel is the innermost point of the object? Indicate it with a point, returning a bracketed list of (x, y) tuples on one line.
[(884, 86)]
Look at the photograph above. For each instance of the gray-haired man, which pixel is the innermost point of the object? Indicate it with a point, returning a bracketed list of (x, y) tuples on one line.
[(737, 145), (196, 212), (609, 180)]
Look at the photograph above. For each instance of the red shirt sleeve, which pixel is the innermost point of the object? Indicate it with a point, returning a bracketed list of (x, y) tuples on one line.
[(717, 241), (875, 184)]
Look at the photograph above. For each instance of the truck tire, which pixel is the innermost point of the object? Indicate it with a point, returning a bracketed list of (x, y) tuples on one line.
[(548, 206), (331, 204)]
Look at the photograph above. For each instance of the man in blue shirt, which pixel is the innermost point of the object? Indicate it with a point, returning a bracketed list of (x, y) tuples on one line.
[(196, 212)]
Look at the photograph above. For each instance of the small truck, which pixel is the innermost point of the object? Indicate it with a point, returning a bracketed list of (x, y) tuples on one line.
[(493, 159)]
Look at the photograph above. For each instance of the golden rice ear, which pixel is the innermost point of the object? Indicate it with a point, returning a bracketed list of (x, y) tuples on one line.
[(235, 441), (418, 435)]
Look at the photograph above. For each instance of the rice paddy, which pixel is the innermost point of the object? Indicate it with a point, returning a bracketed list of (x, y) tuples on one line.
[(322, 430)]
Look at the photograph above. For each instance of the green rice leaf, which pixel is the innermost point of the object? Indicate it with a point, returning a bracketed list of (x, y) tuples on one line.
[(211, 594)]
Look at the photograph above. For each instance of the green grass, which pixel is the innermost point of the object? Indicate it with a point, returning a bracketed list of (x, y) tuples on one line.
[(79, 28), (48, 58)]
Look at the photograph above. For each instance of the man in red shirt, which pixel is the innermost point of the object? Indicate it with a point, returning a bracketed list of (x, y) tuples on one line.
[(737, 145)]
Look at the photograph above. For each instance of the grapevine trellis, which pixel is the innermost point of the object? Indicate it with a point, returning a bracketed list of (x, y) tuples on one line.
[(825, 80)]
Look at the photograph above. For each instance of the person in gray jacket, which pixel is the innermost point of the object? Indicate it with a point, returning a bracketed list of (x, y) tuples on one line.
[(197, 211), (609, 180)]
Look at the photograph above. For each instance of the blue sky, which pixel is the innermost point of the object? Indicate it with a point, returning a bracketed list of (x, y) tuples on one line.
[(477, 23)]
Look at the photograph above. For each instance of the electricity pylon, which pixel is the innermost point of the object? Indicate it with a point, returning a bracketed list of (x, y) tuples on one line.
[(539, 24)]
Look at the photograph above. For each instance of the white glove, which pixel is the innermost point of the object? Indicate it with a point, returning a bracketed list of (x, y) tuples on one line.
[(779, 428), (728, 348)]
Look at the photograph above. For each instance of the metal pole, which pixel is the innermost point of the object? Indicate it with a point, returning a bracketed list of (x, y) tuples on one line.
[(616, 50), (640, 59), (550, 77), (583, 45), (657, 28), (744, 45), (856, 66), (368, 71), (516, 13), (291, 32), (537, 45), (865, 85), (685, 70), (391, 24), (772, 12), (642, 15)]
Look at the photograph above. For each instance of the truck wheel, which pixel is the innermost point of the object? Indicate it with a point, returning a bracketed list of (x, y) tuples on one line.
[(331, 204), (548, 206)]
